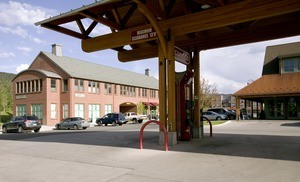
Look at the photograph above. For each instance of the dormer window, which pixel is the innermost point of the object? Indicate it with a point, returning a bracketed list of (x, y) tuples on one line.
[(291, 64)]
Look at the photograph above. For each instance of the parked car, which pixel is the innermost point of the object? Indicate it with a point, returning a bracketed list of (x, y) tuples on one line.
[(112, 118), (73, 123), (214, 116), (132, 116), (21, 123), (231, 115)]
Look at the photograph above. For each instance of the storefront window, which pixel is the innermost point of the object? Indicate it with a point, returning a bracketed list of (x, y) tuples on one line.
[(271, 107), (292, 108)]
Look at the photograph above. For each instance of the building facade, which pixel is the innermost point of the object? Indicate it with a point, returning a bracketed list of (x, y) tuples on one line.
[(55, 87), (278, 89)]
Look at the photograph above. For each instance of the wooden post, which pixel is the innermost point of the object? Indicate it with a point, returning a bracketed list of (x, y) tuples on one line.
[(197, 130), (162, 87), (238, 109), (171, 89)]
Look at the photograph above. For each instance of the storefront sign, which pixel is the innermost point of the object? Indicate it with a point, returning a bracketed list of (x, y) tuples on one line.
[(143, 34), (20, 97), (79, 95), (181, 56)]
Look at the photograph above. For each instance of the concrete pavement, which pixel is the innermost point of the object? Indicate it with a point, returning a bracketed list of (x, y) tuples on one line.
[(239, 151)]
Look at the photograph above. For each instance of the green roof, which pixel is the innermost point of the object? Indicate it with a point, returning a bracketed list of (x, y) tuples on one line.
[(91, 71)]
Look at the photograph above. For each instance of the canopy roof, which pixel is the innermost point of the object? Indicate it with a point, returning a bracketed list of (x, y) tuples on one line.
[(206, 24), (272, 85)]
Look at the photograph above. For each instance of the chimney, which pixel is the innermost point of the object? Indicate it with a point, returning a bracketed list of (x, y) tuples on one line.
[(147, 72), (56, 50)]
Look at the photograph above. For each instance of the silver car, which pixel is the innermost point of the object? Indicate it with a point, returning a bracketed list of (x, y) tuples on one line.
[(73, 123), (214, 116)]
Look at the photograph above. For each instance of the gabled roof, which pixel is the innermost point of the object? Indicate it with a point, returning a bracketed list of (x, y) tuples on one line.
[(91, 71), (272, 85), (44, 72)]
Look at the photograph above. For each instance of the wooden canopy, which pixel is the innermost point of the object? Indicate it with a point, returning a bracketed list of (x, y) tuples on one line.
[(207, 24)]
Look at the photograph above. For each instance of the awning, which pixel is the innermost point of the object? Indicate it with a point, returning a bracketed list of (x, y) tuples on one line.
[(147, 103), (154, 103)]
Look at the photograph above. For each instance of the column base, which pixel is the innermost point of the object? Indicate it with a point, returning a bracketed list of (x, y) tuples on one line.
[(198, 132), (172, 136)]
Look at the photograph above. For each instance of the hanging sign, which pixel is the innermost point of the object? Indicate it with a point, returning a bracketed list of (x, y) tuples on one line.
[(143, 34), (181, 56)]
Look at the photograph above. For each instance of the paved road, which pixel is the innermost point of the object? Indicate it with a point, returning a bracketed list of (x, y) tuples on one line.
[(238, 151)]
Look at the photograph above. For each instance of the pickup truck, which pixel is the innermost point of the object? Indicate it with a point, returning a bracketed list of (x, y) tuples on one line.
[(132, 116)]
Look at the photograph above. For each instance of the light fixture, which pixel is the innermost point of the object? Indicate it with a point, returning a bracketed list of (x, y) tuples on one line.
[(205, 6)]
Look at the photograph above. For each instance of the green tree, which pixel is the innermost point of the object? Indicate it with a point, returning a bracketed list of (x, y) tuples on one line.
[(207, 94)]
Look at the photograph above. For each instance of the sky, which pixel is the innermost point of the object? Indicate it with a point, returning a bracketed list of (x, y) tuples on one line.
[(228, 69)]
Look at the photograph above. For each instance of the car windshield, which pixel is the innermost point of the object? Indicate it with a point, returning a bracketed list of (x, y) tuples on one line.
[(32, 118), (226, 109)]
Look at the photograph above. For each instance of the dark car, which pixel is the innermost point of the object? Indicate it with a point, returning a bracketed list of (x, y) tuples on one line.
[(73, 123), (231, 115), (112, 118), (21, 123)]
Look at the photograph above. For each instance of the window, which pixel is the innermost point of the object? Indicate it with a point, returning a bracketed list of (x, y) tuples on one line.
[(53, 85), (53, 111), (144, 92), (115, 89), (37, 110), (78, 86), (291, 64), (153, 93), (21, 110), (107, 88), (108, 108), (79, 110), (93, 87), (65, 110), (65, 85)]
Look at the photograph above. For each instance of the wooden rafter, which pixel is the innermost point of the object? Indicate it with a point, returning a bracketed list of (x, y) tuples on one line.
[(100, 19), (128, 15)]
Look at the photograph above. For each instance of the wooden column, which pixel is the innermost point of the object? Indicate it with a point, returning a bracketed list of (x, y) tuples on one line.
[(162, 87), (238, 109), (198, 126), (171, 89)]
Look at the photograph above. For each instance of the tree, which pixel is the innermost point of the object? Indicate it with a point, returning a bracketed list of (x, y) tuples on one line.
[(208, 94)]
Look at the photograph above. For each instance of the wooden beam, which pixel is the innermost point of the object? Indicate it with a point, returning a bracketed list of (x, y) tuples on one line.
[(113, 40), (209, 19), (64, 31), (239, 37), (138, 54), (243, 11), (160, 33), (128, 15)]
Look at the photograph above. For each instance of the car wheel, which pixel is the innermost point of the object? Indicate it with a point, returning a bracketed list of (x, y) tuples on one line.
[(20, 129), (75, 127), (4, 129), (134, 121), (105, 124), (219, 118), (84, 128), (120, 124), (140, 121), (231, 117), (114, 123), (36, 131)]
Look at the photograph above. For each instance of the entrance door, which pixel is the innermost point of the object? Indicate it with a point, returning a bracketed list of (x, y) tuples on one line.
[(94, 112)]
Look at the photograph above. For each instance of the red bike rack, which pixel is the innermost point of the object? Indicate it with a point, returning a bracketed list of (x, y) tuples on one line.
[(161, 126)]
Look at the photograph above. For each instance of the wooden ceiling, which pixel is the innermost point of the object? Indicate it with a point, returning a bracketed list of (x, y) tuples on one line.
[(206, 24)]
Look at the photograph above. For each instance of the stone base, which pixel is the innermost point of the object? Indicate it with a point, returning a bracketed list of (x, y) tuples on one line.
[(198, 133), (172, 136)]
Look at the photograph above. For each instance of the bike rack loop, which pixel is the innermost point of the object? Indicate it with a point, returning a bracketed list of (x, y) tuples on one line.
[(209, 124), (161, 126)]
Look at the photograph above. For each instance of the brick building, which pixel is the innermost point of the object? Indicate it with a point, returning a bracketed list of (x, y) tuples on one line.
[(55, 87)]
